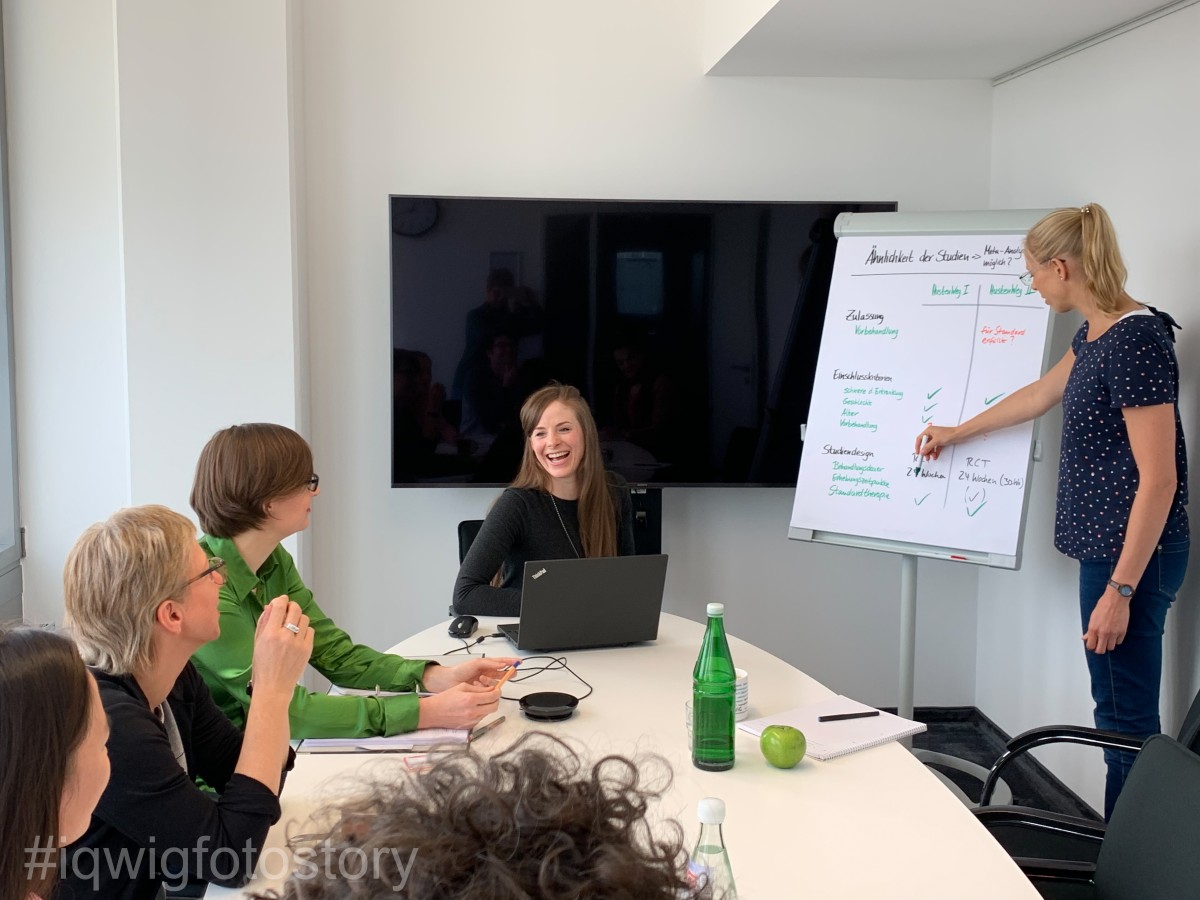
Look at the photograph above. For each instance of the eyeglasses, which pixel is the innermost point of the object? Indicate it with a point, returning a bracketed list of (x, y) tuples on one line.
[(1027, 278), (216, 568), (314, 482)]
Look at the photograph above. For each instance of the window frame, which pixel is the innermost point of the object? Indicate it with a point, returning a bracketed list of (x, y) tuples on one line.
[(10, 520)]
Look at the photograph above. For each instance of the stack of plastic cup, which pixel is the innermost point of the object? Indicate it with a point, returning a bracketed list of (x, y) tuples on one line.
[(741, 696)]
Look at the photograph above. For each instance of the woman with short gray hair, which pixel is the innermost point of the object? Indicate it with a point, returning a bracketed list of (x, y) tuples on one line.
[(141, 597)]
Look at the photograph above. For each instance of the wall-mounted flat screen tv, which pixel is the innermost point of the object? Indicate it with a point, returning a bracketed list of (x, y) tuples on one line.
[(692, 329)]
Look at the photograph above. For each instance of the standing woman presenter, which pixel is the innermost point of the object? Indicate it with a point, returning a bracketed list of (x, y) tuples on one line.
[(1122, 477)]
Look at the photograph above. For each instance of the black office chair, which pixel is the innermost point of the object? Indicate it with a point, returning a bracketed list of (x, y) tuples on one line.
[(468, 530), (1150, 849), (1026, 832)]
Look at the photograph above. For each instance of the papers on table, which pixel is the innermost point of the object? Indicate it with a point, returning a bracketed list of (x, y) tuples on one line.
[(422, 739), (336, 691), (829, 740)]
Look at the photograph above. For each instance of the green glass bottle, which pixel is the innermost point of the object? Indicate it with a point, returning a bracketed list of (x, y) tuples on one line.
[(713, 684)]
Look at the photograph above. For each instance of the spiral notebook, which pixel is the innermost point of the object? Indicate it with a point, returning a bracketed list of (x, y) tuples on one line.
[(829, 740)]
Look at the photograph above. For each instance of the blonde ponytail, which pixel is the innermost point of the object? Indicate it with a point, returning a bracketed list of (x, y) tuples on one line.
[(1085, 234)]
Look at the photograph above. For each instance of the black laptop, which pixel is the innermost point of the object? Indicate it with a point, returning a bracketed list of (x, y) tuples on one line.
[(570, 604)]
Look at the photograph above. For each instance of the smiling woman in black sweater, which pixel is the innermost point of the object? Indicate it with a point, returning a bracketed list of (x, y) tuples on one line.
[(562, 505)]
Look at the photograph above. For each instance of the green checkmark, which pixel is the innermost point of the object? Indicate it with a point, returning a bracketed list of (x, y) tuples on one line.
[(987, 402), (934, 394), (922, 500), (930, 406), (925, 420), (971, 512)]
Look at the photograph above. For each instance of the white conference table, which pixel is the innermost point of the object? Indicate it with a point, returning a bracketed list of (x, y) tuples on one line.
[(875, 823)]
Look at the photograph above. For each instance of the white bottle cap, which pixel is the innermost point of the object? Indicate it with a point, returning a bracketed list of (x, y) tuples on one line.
[(716, 609), (711, 810)]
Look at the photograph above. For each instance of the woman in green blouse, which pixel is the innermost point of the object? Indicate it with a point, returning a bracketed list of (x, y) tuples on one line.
[(254, 486)]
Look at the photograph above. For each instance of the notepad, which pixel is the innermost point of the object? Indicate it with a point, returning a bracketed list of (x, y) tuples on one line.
[(422, 739), (336, 691), (829, 740)]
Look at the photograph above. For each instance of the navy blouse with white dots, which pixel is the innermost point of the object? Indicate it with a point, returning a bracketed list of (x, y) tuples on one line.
[(1131, 364)]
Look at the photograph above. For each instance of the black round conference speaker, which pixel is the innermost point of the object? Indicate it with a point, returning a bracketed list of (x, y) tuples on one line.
[(548, 706)]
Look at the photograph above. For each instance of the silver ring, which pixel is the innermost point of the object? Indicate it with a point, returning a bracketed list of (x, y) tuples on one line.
[(292, 627)]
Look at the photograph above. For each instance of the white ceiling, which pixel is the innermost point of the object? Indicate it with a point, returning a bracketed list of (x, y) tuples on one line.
[(918, 38)]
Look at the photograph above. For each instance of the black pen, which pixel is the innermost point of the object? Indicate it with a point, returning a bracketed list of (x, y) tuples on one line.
[(481, 730), (856, 715)]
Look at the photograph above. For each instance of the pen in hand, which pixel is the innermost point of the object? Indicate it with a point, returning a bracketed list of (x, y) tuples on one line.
[(508, 671), (837, 717)]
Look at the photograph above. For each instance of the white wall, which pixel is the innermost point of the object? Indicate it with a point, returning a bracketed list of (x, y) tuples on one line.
[(552, 99), (207, 240), (1115, 124), (68, 315), (727, 23), (162, 128), (152, 260)]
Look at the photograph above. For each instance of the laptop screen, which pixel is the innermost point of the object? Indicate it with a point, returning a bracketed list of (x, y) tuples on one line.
[(596, 602)]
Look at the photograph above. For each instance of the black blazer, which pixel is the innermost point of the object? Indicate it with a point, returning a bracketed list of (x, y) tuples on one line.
[(153, 825)]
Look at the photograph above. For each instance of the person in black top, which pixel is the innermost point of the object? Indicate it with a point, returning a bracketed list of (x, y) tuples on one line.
[(646, 405), (492, 393), (562, 505), (506, 309), (141, 597), (1122, 478), (53, 763)]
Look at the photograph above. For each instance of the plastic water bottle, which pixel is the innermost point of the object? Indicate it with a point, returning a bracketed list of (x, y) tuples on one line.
[(709, 873), (714, 683)]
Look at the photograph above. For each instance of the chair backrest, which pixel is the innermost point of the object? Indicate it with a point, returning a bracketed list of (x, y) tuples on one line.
[(468, 530), (1150, 848), (1189, 733)]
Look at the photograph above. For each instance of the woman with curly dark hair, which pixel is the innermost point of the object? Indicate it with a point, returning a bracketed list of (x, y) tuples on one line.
[(533, 821)]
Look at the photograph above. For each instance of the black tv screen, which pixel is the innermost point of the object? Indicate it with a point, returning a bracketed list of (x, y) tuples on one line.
[(692, 329)]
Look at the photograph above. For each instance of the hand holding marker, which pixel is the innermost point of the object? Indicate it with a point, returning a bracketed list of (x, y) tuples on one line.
[(509, 671), (927, 439), (924, 436), (921, 439)]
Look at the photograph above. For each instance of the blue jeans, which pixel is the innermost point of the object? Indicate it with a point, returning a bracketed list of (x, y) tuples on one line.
[(1125, 681)]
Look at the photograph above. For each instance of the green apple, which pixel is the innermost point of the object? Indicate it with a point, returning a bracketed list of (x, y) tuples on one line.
[(782, 745)]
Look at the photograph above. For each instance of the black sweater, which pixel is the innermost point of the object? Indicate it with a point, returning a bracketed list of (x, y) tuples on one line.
[(153, 821), (523, 526)]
